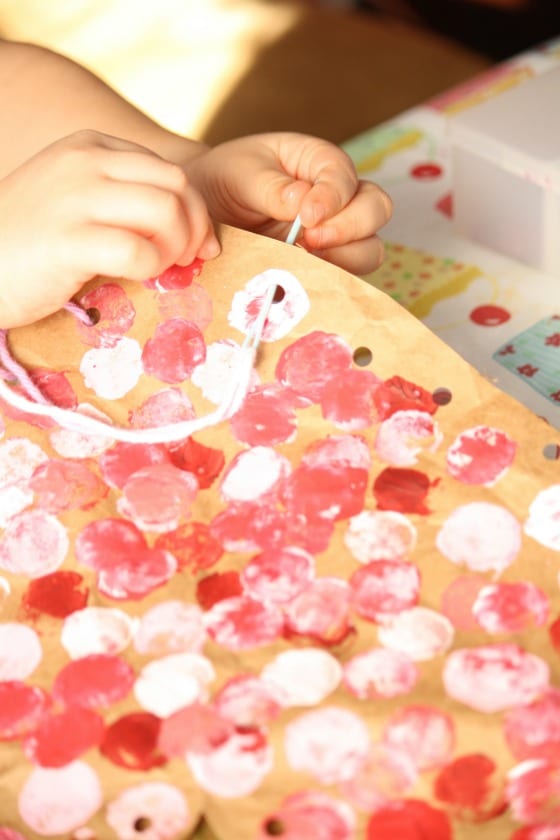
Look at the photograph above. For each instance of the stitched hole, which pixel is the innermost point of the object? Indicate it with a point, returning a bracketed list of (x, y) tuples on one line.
[(274, 828), (362, 356), (279, 294), (442, 396), (94, 315), (551, 452), (142, 824)]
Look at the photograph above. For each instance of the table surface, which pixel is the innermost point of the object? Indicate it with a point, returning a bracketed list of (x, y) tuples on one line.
[(492, 310)]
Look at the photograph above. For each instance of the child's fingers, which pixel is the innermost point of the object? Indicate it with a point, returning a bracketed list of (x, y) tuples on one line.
[(360, 258), (177, 224), (368, 211), (113, 252)]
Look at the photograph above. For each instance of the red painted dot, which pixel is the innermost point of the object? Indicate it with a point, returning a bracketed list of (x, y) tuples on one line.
[(489, 315), (192, 545), (94, 681), (63, 737), (204, 462), (403, 490), (21, 707), (467, 785), (409, 819), (57, 594), (426, 171), (218, 587), (132, 742)]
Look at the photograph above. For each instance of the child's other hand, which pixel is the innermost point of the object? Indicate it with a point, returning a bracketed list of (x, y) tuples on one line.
[(262, 182), (92, 204)]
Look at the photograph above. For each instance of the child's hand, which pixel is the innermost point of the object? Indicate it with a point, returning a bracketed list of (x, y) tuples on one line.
[(262, 182), (91, 204)]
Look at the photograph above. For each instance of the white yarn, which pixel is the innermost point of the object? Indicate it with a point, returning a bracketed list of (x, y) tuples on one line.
[(230, 404)]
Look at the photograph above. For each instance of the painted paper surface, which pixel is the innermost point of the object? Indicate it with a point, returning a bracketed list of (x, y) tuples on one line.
[(338, 608)]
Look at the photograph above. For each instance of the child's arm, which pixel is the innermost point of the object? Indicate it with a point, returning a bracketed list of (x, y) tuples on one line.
[(45, 96)]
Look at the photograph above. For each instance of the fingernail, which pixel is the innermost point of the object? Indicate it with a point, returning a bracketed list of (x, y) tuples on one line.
[(288, 194), (210, 250), (313, 214), (327, 236)]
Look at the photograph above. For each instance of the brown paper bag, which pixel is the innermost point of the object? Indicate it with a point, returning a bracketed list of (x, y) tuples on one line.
[(333, 615)]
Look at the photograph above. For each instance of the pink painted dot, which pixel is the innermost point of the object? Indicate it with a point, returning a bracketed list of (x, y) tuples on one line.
[(301, 813), (239, 623), (533, 730), (123, 459), (20, 651), (66, 485), (266, 418), (170, 627), (402, 436), (157, 497), (235, 768), (338, 451), (192, 303), (424, 733), (278, 576), (321, 612), (21, 708), (95, 681), (481, 455), (380, 535), (426, 171), (380, 673), (348, 402), (196, 728), (458, 599), (169, 405), (62, 737), (493, 678), (386, 774), (126, 566), (308, 365), (489, 315), (330, 744), (247, 526), (384, 588), (333, 491), (114, 314), (533, 791), (34, 544), (174, 351), (57, 800), (511, 607), (9, 834), (55, 386), (248, 701), (19, 458)]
